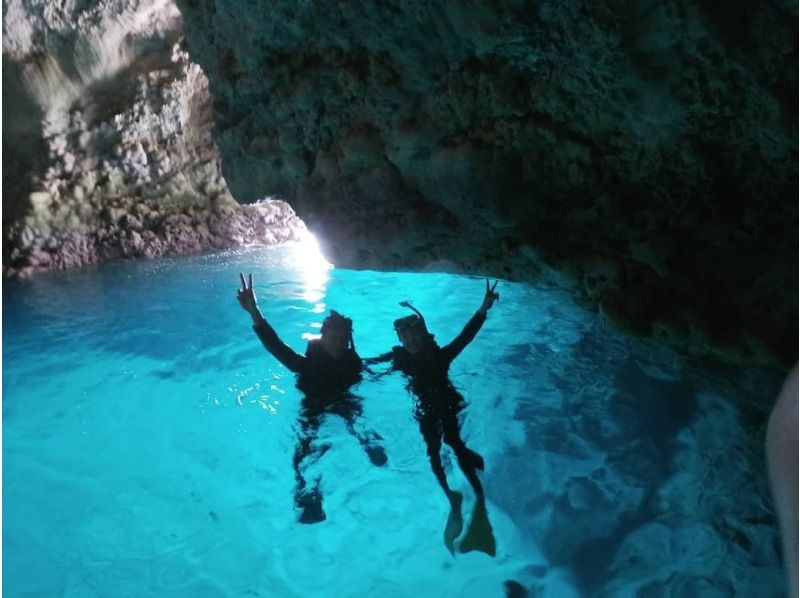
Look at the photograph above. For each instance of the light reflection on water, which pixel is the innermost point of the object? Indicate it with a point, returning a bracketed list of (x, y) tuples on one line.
[(313, 266)]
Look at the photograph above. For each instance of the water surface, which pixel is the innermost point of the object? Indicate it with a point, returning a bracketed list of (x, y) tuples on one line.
[(148, 440)]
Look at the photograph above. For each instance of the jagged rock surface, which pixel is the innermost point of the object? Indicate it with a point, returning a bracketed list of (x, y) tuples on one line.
[(107, 146), (644, 156)]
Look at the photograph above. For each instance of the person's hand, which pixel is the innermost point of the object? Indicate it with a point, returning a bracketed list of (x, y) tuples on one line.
[(489, 298), (246, 295)]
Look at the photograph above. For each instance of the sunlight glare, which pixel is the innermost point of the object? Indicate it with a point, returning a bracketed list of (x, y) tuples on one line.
[(313, 266)]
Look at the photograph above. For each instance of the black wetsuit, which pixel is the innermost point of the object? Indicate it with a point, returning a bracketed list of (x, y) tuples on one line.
[(319, 374), (325, 382), (437, 401)]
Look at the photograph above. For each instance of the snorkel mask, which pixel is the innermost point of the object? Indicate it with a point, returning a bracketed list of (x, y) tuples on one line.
[(414, 323), (410, 321)]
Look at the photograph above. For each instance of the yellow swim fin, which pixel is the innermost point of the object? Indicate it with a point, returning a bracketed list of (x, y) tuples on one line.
[(455, 522), (480, 535)]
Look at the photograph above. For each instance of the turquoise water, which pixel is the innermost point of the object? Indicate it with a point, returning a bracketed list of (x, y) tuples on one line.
[(148, 441)]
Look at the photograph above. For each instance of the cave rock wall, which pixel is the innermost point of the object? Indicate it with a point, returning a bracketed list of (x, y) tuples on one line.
[(107, 150), (642, 154)]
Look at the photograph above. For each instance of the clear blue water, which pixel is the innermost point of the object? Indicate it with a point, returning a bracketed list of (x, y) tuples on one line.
[(148, 441)]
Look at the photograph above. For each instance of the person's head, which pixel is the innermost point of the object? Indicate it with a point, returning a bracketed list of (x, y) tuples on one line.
[(337, 335), (412, 331)]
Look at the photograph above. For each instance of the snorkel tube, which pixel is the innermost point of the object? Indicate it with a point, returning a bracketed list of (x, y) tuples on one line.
[(412, 321), (415, 310)]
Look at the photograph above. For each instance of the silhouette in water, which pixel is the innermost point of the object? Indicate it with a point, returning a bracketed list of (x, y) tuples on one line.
[(436, 408), (325, 375)]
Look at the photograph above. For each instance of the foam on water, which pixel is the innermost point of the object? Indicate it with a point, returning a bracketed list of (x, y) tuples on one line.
[(148, 441)]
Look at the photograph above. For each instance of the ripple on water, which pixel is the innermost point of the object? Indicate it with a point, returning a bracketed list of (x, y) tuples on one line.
[(149, 443)]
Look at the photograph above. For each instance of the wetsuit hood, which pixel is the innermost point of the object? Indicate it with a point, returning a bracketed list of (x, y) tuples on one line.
[(336, 321)]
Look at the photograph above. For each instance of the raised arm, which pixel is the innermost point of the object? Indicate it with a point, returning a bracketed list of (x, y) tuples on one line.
[(465, 337), (269, 338)]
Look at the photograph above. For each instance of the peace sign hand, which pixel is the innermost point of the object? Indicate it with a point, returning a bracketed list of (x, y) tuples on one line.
[(489, 298), (246, 295)]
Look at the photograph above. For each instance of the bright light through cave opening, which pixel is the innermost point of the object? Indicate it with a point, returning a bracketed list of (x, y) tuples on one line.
[(314, 267), (309, 256)]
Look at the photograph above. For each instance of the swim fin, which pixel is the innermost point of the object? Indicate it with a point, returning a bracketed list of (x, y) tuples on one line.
[(455, 522), (480, 535)]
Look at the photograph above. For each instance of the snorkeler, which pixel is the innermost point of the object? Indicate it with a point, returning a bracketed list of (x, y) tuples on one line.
[(437, 405), (325, 375)]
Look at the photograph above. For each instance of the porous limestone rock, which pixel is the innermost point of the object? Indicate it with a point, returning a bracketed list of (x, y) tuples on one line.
[(106, 143), (644, 156)]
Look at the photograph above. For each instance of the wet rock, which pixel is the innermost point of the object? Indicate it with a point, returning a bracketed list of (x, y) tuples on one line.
[(128, 165), (40, 201)]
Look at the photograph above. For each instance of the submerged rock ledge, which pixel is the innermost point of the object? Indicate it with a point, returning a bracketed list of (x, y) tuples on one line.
[(135, 228)]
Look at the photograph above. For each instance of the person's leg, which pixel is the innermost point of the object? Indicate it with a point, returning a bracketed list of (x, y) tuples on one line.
[(468, 460), (433, 441), (368, 440), (308, 500), (480, 535), (432, 435)]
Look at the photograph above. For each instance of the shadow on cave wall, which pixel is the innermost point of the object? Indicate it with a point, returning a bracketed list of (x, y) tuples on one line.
[(768, 36), (24, 149)]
